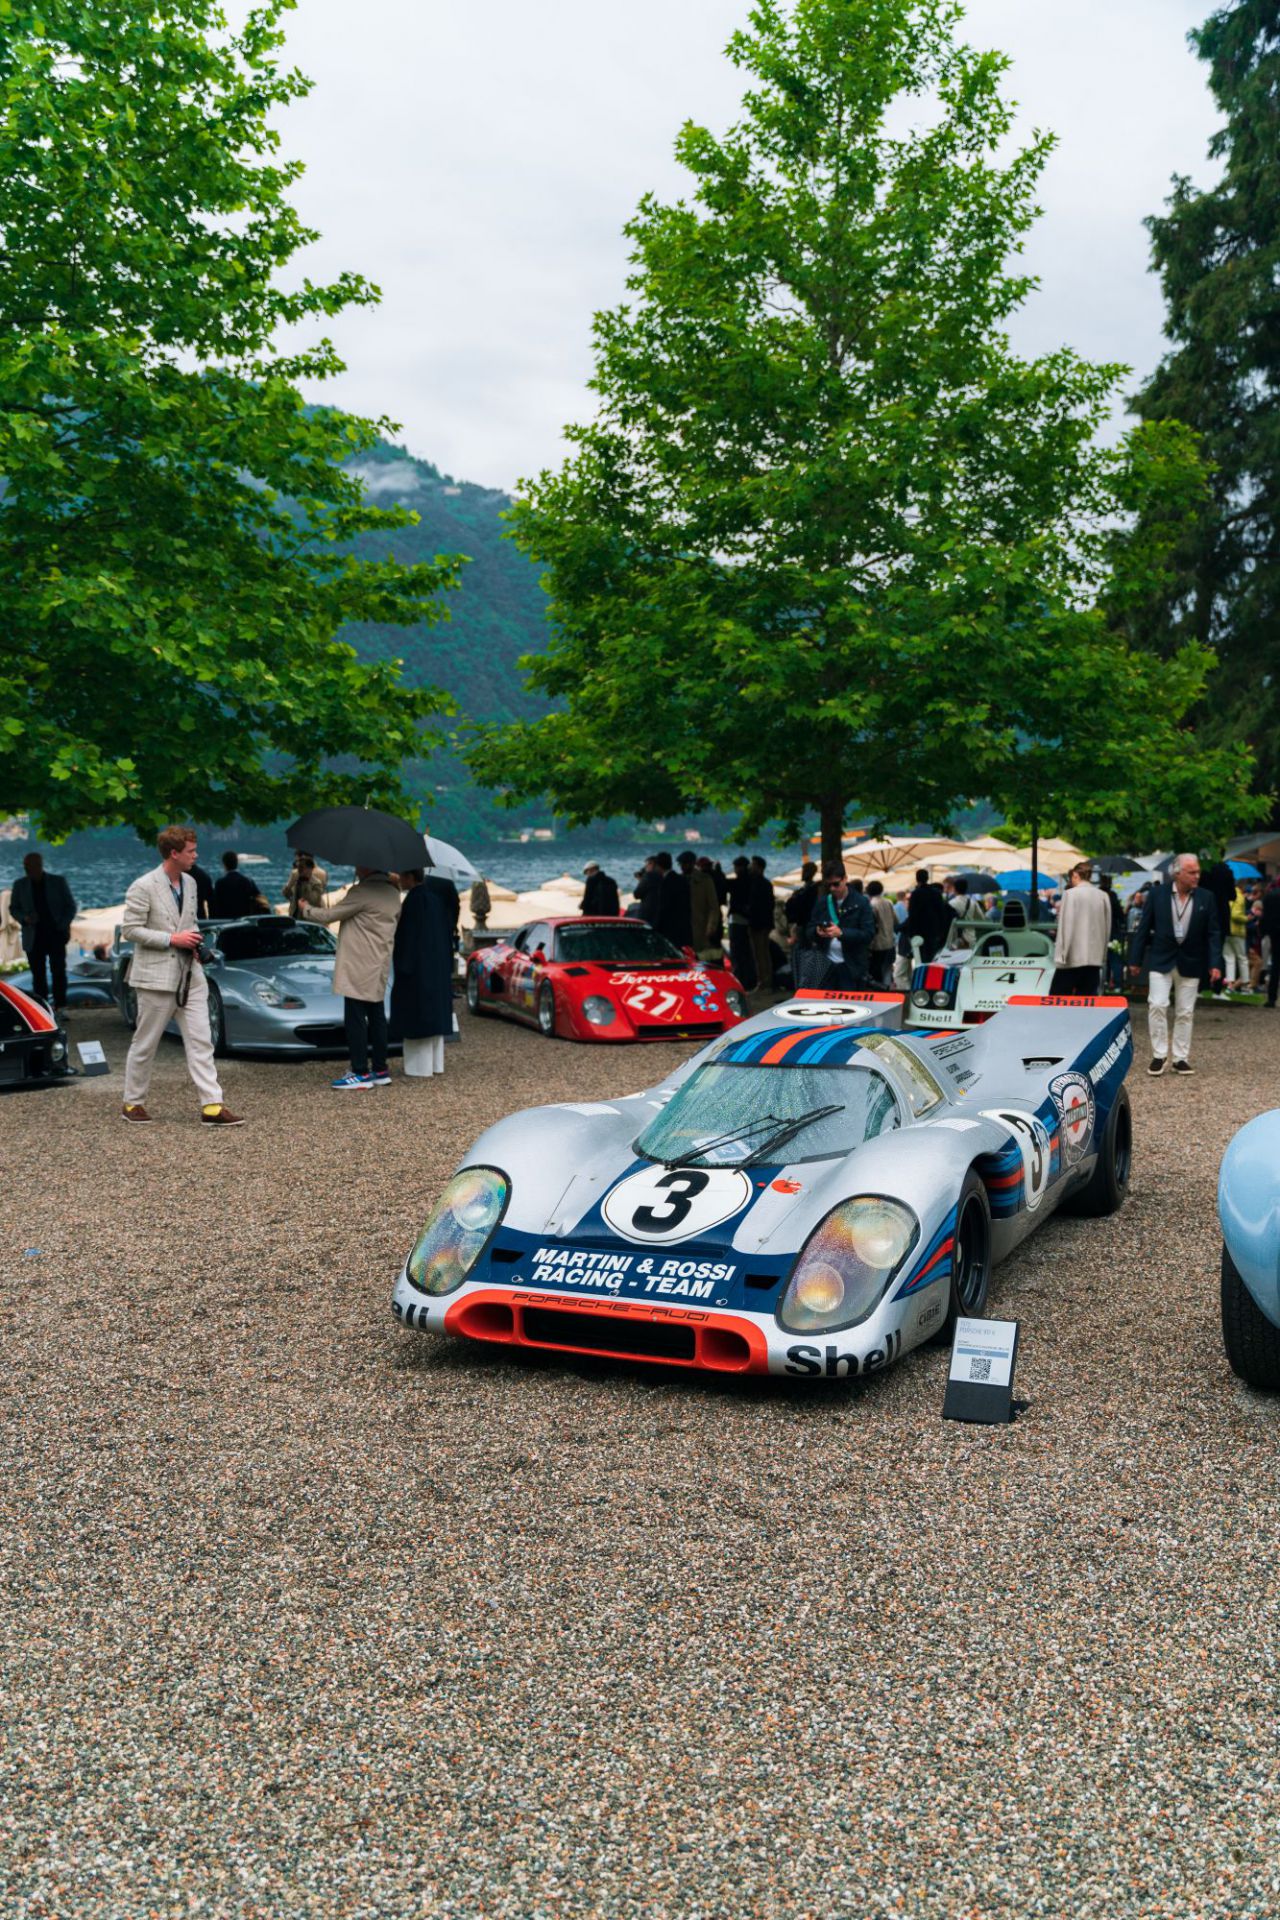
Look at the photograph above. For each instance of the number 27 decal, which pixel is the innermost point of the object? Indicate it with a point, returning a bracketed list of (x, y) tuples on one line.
[(638, 999)]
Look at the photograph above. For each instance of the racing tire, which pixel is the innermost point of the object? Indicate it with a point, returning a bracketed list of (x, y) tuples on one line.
[(546, 1010), (474, 1005), (217, 1024), (129, 1006), (1105, 1189), (970, 1259), (1252, 1343)]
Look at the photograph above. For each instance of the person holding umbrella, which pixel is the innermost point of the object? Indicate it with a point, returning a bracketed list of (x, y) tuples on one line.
[(366, 917)]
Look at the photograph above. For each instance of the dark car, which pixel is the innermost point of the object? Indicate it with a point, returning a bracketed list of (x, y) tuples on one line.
[(33, 1047)]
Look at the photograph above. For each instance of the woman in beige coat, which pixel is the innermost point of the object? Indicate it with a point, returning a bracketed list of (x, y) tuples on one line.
[(366, 917)]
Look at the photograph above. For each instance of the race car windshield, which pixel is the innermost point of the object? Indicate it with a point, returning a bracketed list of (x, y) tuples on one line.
[(621, 941), (274, 939), (725, 1115)]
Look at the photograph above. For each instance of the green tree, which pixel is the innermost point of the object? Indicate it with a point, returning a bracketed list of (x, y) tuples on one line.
[(825, 516), (1218, 255), (174, 523)]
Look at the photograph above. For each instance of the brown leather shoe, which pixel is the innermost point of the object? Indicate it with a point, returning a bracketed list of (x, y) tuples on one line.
[(220, 1117), (134, 1111)]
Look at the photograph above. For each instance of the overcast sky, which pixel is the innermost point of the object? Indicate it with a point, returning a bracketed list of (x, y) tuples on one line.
[(478, 163)]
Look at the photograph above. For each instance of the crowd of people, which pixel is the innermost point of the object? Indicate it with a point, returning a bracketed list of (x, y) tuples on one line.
[(407, 920), (1178, 934)]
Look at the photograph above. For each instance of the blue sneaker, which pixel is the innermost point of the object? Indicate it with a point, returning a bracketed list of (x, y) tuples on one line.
[(381, 1079), (352, 1083)]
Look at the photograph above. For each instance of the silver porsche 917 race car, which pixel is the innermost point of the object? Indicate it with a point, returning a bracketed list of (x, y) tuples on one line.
[(813, 1194)]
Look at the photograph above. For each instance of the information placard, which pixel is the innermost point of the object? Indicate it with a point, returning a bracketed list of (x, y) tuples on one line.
[(92, 1057), (980, 1381)]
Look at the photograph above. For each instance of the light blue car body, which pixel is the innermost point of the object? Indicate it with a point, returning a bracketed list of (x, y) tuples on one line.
[(1249, 1209)]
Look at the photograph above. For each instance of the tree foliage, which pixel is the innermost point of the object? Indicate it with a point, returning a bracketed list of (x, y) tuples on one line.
[(175, 526), (829, 542), (1217, 251)]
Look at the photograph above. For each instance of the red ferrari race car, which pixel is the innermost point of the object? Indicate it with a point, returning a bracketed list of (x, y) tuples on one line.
[(603, 980), (33, 1047)]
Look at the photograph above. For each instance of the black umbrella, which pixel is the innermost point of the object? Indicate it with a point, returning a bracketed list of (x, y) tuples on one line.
[(976, 882), (359, 837), (1119, 863)]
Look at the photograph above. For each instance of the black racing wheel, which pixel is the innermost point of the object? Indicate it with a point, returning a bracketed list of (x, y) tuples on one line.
[(473, 992), (546, 1008), (1105, 1189), (1252, 1343), (217, 1023), (970, 1258)]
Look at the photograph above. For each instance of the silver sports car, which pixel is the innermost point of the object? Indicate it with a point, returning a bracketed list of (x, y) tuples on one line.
[(270, 986), (814, 1193)]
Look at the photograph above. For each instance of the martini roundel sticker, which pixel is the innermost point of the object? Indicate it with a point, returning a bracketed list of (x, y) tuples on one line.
[(661, 1204), (1073, 1097)]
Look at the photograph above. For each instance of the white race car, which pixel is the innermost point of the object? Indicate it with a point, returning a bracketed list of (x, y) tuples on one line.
[(813, 1194), (961, 988)]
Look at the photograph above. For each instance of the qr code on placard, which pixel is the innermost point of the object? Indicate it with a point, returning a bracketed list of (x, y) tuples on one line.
[(980, 1368)]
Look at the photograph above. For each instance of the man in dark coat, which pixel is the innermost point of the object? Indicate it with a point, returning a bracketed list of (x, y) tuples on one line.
[(928, 916), (44, 907), (1179, 925), (844, 925), (760, 920), (675, 909), (1221, 883), (648, 887), (234, 895), (422, 972), (1269, 929), (600, 895)]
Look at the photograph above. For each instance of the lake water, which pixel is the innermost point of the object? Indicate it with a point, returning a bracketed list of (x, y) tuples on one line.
[(98, 875)]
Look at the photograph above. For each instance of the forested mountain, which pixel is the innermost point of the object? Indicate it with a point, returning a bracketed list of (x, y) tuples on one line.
[(498, 615)]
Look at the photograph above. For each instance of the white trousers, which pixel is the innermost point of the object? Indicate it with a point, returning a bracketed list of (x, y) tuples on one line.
[(422, 1058), (155, 1010), (1235, 959), (1184, 991)]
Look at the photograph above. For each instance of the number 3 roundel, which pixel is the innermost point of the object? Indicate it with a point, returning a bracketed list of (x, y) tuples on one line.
[(662, 1204)]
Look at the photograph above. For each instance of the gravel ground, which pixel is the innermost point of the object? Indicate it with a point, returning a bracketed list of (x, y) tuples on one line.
[(308, 1615)]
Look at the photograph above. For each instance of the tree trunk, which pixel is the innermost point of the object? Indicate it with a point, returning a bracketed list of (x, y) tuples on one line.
[(831, 819), (1035, 872)]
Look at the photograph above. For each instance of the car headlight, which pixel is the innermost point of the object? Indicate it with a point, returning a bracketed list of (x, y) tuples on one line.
[(458, 1229), (939, 999), (737, 1002), (846, 1264), (58, 1051), (599, 1011), (270, 995), (920, 998)]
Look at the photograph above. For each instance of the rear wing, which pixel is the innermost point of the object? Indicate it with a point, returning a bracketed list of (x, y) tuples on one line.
[(1066, 1000)]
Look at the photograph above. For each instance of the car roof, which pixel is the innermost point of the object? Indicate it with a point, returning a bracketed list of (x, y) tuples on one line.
[(827, 1046)]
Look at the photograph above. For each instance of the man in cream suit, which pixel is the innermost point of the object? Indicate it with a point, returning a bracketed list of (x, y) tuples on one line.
[(168, 980)]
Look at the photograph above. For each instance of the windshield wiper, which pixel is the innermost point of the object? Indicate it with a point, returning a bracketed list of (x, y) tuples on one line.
[(723, 1140), (789, 1131)]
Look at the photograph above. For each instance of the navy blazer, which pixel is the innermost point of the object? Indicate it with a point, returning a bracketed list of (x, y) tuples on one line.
[(1197, 955)]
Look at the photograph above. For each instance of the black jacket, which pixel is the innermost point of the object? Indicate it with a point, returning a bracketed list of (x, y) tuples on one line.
[(1269, 923), (675, 909), (1197, 955), (600, 895), (929, 916), (759, 903), (857, 923), (648, 887), (1221, 883), (799, 911), (235, 896), (422, 961)]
